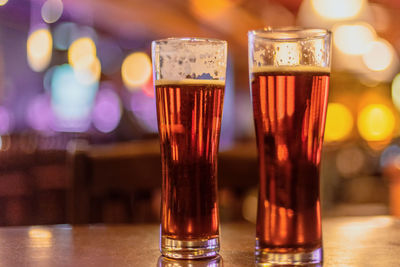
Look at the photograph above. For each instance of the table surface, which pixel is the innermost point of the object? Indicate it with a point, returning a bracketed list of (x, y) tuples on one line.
[(348, 241)]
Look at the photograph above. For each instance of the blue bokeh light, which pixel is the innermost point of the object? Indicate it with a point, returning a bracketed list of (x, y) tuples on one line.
[(71, 100)]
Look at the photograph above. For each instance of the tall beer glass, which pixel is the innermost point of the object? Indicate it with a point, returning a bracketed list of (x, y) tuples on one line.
[(189, 77), (289, 78)]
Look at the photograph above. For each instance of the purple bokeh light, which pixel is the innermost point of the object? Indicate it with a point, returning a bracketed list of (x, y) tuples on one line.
[(5, 120), (39, 113), (144, 108), (107, 110)]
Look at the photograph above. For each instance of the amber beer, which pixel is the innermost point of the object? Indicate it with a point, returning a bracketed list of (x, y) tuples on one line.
[(289, 108), (189, 120)]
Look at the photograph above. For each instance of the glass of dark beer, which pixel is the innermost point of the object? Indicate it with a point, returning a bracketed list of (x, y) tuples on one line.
[(189, 78), (289, 77)]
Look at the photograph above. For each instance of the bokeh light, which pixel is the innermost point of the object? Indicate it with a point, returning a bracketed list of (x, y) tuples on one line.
[(379, 55), (39, 115), (376, 122), (39, 49), (107, 110), (211, 8), (143, 107), (82, 52), (52, 10), (350, 161), (82, 57), (64, 34), (338, 9), (71, 100), (136, 70), (353, 39), (47, 79), (88, 74), (339, 122), (396, 91), (3, 2)]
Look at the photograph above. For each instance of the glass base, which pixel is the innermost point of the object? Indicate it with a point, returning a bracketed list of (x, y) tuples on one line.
[(207, 262), (311, 259), (193, 249)]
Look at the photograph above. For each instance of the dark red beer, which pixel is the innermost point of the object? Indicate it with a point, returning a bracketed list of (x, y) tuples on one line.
[(289, 113), (189, 121)]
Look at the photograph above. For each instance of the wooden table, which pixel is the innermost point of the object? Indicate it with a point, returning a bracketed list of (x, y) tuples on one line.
[(348, 241)]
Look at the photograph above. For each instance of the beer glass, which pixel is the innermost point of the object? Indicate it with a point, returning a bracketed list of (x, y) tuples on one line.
[(289, 78), (189, 78)]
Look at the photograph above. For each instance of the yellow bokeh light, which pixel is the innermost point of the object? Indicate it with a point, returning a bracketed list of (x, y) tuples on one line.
[(396, 91), (353, 39), (211, 8), (379, 55), (3, 2), (39, 49), (136, 70), (82, 53), (339, 122), (376, 122), (338, 9), (88, 74)]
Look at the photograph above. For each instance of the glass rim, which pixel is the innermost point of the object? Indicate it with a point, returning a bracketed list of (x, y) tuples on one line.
[(194, 40), (290, 33)]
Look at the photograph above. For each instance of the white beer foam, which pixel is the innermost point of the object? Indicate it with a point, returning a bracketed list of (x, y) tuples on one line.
[(190, 82), (314, 69)]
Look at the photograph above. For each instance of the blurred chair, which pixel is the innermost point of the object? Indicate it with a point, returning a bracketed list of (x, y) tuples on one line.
[(121, 183), (109, 181), (33, 184)]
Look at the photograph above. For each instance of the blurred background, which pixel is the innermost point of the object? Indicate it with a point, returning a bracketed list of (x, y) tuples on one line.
[(78, 126)]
